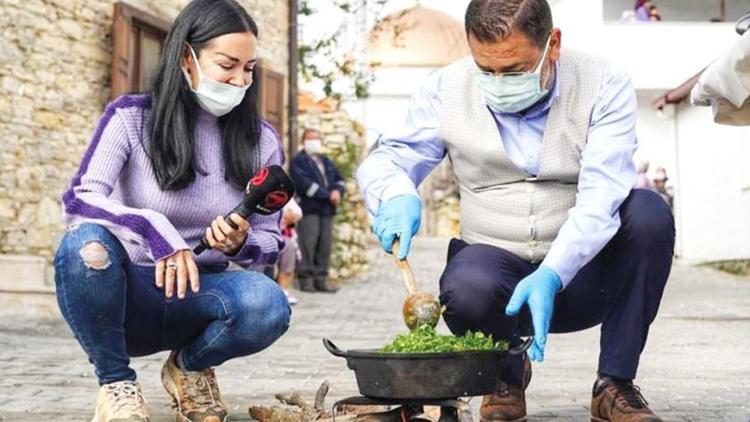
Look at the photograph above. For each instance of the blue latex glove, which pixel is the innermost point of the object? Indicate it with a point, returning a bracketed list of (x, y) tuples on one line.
[(399, 217), (538, 290)]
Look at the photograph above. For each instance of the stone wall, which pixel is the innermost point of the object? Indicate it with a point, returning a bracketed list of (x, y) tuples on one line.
[(344, 143), (440, 197), (55, 58)]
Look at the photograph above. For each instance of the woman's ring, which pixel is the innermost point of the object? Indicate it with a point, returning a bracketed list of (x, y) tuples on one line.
[(172, 265)]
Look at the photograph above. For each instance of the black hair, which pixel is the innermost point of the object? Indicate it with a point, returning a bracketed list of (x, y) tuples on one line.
[(492, 20), (174, 109)]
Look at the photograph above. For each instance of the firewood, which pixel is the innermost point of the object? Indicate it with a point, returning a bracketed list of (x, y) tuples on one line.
[(320, 396), (293, 399)]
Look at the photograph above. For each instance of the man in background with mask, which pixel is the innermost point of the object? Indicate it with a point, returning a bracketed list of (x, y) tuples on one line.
[(553, 237), (321, 188)]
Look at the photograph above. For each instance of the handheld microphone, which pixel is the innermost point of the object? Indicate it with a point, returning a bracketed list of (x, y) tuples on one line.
[(267, 192)]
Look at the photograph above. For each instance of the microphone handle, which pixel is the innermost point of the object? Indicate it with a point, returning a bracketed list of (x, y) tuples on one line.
[(202, 247), (204, 242)]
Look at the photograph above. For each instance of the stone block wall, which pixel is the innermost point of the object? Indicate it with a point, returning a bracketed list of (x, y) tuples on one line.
[(344, 143), (440, 197)]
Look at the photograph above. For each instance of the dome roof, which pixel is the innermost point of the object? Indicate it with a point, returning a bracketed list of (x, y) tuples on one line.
[(416, 37)]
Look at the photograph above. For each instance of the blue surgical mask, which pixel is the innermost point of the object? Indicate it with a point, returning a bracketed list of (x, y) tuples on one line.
[(512, 92), (215, 97)]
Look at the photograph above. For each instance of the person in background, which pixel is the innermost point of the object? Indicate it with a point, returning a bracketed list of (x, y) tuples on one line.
[(654, 15), (646, 11), (321, 188), (290, 255), (660, 185), (643, 182)]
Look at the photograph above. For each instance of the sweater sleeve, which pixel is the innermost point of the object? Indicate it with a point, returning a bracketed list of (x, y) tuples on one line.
[(88, 197), (264, 240)]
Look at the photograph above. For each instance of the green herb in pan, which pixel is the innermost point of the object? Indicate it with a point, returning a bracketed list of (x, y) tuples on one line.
[(426, 340)]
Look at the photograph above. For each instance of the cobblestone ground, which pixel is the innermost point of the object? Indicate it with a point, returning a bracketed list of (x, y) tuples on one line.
[(696, 366)]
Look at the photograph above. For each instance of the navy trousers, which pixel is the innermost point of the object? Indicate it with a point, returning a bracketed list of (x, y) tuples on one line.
[(621, 288)]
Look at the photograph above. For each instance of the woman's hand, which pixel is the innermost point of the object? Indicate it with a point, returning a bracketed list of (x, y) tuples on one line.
[(179, 269), (222, 237)]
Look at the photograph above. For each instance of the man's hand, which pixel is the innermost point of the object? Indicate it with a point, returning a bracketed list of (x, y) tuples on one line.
[(399, 217), (335, 198), (538, 290), (179, 269)]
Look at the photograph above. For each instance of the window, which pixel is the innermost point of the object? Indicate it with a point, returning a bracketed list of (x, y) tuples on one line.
[(137, 43), (271, 96)]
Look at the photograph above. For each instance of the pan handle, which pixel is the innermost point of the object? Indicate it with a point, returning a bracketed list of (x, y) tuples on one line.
[(518, 350), (333, 349)]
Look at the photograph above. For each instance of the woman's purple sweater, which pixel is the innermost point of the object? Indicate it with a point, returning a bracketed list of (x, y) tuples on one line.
[(115, 187)]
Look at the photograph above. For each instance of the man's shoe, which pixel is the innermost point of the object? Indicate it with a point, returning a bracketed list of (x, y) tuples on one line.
[(508, 405), (307, 286), (325, 287), (121, 402), (195, 395), (619, 401)]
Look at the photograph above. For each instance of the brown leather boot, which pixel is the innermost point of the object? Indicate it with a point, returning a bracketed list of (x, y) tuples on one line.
[(509, 405), (619, 401)]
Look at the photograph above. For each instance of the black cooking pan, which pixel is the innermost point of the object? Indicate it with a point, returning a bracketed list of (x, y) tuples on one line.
[(404, 376)]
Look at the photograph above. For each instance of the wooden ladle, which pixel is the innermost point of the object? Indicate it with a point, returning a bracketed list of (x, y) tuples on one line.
[(419, 308)]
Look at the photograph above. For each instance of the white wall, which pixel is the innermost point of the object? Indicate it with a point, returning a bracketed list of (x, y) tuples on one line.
[(656, 133), (658, 55), (389, 99), (712, 199)]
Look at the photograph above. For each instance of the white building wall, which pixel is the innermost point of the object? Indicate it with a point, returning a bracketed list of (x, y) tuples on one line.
[(658, 55), (389, 99), (713, 187), (656, 134)]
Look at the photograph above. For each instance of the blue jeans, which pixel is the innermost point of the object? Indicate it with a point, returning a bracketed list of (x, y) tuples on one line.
[(116, 311)]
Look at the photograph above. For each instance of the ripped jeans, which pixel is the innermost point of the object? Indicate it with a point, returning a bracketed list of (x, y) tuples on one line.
[(116, 311)]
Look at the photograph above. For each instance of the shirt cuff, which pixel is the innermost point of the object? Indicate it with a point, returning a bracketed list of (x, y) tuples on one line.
[(397, 188), (564, 265), (401, 185)]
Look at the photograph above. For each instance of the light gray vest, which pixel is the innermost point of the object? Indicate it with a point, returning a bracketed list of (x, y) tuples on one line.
[(500, 204)]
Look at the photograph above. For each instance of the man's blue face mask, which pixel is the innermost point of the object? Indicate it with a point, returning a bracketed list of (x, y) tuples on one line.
[(513, 92)]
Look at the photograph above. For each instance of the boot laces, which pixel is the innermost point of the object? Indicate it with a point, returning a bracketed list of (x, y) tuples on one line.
[(201, 389), (630, 394), (125, 396)]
